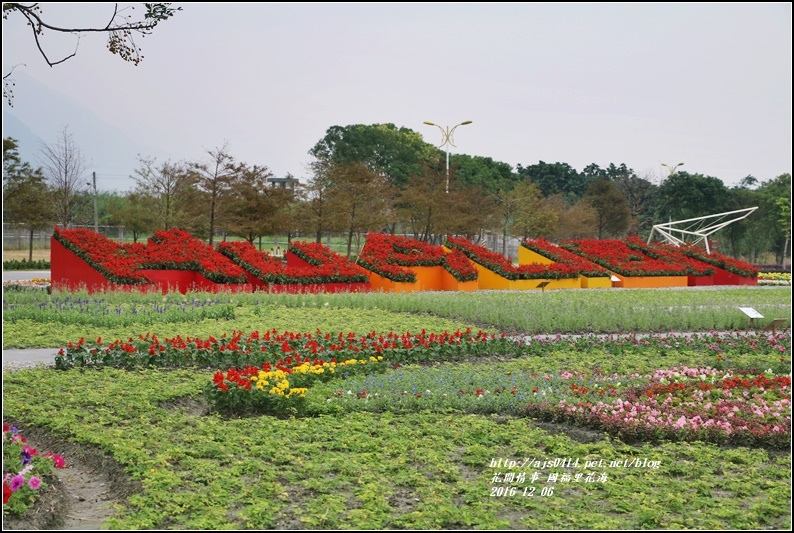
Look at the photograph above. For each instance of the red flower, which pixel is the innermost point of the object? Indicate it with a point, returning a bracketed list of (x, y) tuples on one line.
[(6, 493)]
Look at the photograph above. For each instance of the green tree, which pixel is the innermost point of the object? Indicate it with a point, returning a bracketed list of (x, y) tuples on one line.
[(476, 171), (135, 213), (683, 196), (420, 204), (535, 216), (395, 152), (25, 194), (612, 211), (121, 31), (257, 208), (774, 201), (555, 178)]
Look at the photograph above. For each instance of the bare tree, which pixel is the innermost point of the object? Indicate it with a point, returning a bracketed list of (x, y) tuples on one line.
[(168, 185), (64, 168), (120, 29), (214, 180)]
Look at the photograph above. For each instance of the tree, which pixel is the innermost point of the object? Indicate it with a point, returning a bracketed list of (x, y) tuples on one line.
[(683, 196), (256, 208), (484, 172), (25, 195), (535, 216), (358, 199), (774, 207), (612, 212), (121, 30), (168, 185), (314, 212), (64, 169), (213, 180), (639, 194), (556, 178), (135, 214), (395, 152), (420, 204), (577, 221)]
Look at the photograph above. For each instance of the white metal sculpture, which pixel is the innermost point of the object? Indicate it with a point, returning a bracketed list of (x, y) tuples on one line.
[(698, 229)]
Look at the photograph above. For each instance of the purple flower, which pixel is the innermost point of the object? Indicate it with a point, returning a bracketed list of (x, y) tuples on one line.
[(34, 483), (25, 457), (16, 483)]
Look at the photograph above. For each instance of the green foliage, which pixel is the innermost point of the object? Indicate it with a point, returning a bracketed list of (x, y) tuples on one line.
[(397, 152), (23, 264), (483, 172)]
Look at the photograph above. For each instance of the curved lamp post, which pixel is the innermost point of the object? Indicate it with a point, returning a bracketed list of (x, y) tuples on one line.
[(672, 169), (446, 140)]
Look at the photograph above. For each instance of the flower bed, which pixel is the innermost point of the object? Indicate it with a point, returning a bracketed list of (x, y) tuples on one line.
[(176, 249), (698, 272), (741, 270), (504, 275), (396, 259), (634, 269), (257, 348), (281, 387), (172, 260), (310, 267), (116, 263), (678, 404), (25, 471)]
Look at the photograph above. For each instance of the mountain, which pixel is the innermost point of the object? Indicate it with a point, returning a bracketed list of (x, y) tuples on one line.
[(106, 150)]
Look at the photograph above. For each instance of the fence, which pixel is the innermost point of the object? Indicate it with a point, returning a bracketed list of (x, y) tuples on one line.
[(17, 236)]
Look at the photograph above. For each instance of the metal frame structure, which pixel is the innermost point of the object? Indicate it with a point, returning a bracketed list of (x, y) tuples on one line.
[(699, 228)]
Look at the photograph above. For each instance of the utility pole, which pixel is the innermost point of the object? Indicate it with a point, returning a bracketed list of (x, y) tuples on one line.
[(96, 210)]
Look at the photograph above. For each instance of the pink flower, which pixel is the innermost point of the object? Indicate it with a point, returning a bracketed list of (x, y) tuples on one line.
[(34, 483), (17, 482)]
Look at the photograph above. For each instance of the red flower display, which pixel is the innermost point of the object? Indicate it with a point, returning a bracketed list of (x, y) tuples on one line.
[(119, 263), (386, 255), (328, 267), (559, 254), (498, 264), (672, 254), (736, 266), (616, 256), (176, 249)]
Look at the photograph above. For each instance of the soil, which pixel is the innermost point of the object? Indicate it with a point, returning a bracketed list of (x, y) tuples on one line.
[(20, 255)]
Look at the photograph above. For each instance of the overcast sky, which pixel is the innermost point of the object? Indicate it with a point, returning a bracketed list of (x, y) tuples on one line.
[(706, 84)]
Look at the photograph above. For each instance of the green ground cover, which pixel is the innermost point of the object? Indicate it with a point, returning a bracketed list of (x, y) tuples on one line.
[(417, 446)]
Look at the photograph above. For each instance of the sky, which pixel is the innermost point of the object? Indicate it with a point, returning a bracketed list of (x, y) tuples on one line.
[(645, 84)]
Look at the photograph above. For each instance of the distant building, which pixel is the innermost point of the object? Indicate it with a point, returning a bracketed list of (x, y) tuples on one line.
[(288, 183)]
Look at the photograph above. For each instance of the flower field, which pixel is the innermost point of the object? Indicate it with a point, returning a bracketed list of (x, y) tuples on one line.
[(420, 410)]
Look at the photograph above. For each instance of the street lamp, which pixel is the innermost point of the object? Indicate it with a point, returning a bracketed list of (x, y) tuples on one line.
[(446, 140), (672, 169)]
